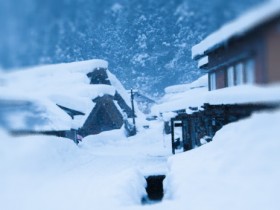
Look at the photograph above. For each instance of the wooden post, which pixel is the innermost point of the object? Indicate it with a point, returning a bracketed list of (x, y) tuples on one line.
[(172, 136), (133, 110)]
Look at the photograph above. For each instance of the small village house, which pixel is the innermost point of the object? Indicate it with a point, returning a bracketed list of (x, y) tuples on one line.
[(71, 99)]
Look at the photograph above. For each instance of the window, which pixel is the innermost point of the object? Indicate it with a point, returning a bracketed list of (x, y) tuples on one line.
[(239, 71), (230, 76), (212, 81), (250, 71)]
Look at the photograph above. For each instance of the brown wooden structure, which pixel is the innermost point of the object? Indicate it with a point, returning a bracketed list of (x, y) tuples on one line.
[(204, 124), (105, 116), (252, 57)]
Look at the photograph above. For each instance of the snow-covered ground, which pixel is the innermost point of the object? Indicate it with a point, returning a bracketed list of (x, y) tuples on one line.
[(105, 171), (239, 169)]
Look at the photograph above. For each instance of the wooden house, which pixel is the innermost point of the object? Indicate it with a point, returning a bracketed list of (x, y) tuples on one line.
[(245, 51)]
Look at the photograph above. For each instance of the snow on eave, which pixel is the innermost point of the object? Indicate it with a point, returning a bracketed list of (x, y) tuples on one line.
[(234, 95), (199, 83), (203, 61), (246, 22)]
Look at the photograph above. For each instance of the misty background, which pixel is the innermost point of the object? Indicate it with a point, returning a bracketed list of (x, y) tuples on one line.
[(146, 42)]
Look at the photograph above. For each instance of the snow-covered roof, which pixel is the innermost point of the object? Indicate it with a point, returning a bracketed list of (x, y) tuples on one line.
[(199, 83), (64, 84), (246, 22), (196, 97)]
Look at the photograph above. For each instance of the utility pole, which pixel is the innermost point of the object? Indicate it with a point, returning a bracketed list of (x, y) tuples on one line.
[(133, 110)]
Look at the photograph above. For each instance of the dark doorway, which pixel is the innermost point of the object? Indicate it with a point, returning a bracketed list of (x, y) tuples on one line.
[(154, 189)]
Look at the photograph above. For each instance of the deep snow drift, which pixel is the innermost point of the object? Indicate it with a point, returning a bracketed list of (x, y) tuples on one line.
[(105, 171), (238, 170)]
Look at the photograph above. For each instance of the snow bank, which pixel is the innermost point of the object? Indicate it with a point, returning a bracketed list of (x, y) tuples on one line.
[(238, 27), (239, 169), (105, 171)]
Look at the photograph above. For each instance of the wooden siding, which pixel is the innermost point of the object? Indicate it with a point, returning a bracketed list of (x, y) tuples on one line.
[(205, 123), (220, 79), (238, 51), (104, 117), (273, 52), (261, 44)]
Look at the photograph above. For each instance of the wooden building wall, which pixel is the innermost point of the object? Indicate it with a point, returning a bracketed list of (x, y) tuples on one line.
[(262, 44), (220, 79), (273, 52), (239, 50), (104, 117), (205, 123)]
